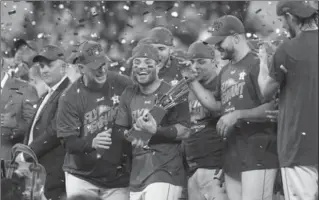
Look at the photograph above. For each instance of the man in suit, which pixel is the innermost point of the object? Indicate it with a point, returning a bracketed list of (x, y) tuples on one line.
[(16, 107), (42, 135)]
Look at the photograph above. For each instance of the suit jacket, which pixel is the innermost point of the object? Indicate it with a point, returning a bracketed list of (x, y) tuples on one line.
[(18, 98), (46, 144)]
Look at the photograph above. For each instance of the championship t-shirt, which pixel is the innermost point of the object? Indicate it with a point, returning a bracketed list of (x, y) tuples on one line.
[(203, 148), (162, 162), (298, 99), (252, 145), (85, 112)]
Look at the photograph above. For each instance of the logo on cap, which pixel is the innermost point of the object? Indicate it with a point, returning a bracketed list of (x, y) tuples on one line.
[(94, 50), (216, 26)]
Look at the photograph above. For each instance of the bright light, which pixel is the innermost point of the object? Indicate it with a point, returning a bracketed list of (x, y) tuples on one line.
[(122, 69), (174, 14), (248, 35), (277, 30), (176, 4), (123, 41), (255, 36), (61, 6), (33, 23)]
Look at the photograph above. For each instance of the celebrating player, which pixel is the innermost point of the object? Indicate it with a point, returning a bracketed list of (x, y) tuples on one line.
[(157, 172)]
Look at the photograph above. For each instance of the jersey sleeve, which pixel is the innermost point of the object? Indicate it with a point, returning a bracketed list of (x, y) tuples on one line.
[(253, 76), (275, 70), (123, 117), (217, 89), (68, 118)]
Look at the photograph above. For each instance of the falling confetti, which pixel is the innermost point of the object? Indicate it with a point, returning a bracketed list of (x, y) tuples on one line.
[(12, 12), (257, 11), (174, 14), (40, 35), (149, 2), (125, 7)]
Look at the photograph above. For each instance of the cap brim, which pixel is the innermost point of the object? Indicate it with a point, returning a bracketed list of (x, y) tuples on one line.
[(96, 63), (19, 43), (215, 39), (38, 58)]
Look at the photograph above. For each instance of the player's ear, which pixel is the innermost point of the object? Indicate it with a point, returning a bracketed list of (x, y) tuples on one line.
[(236, 38), (81, 68)]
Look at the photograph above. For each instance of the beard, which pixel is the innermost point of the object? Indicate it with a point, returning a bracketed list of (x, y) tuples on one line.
[(226, 54), (291, 31)]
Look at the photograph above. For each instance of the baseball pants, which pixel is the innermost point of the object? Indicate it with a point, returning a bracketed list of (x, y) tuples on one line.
[(158, 191), (251, 185), (76, 186), (204, 184), (300, 182)]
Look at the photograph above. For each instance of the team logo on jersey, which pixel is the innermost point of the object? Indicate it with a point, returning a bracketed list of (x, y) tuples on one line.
[(242, 75), (115, 99), (174, 82)]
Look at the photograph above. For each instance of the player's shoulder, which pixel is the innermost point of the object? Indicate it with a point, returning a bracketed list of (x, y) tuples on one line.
[(72, 92)]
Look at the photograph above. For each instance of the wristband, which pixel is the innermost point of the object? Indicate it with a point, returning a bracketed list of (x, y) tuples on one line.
[(167, 131)]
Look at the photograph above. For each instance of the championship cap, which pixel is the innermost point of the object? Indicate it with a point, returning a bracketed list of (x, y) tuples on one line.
[(161, 35), (91, 55), (200, 50), (223, 27), (145, 51), (51, 53), (297, 8)]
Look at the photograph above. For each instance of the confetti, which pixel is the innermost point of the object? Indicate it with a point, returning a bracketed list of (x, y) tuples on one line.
[(174, 14), (146, 12), (114, 64), (257, 11), (169, 8), (149, 2), (40, 35), (12, 12), (125, 7)]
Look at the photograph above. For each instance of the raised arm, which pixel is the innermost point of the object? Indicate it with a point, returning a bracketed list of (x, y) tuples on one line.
[(205, 97)]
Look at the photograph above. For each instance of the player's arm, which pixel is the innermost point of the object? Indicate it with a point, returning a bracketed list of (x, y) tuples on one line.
[(272, 72), (205, 97), (69, 126), (174, 126)]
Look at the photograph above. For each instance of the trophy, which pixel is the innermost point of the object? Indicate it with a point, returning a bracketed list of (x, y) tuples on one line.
[(176, 95)]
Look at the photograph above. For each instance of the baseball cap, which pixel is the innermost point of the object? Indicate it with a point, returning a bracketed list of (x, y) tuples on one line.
[(144, 41), (297, 8), (223, 27), (51, 53), (200, 50), (31, 44), (146, 51), (91, 54), (161, 35)]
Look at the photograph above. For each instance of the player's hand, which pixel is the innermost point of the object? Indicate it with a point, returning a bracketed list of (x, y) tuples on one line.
[(190, 74), (146, 122), (102, 140), (227, 122), (138, 143)]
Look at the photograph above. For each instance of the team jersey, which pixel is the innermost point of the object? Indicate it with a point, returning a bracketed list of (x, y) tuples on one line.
[(298, 99), (162, 162), (203, 148), (85, 112), (252, 145)]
